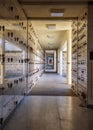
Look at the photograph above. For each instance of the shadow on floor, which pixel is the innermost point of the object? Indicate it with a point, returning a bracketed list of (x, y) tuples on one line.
[(63, 92), (52, 85)]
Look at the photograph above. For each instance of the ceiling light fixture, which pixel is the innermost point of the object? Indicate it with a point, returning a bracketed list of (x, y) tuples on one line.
[(51, 26), (57, 12), (50, 36)]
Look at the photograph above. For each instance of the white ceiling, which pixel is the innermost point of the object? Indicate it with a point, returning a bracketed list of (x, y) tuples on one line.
[(51, 38), (40, 16), (38, 11)]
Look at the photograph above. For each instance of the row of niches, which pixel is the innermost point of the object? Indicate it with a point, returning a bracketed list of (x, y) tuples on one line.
[(74, 56), (80, 32), (14, 36), (14, 24), (79, 25), (19, 59), (18, 86), (79, 55), (14, 65), (16, 57), (15, 86), (79, 39), (82, 75), (17, 69), (10, 60), (19, 78), (82, 54), (15, 60), (7, 104)]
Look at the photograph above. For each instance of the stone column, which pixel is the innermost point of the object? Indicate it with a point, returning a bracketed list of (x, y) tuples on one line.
[(2, 58), (69, 57), (60, 62)]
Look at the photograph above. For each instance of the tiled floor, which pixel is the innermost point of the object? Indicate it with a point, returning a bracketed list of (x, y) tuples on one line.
[(51, 113), (52, 85)]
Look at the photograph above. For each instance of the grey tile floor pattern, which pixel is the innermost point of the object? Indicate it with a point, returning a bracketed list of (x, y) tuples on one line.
[(51, 113), (52, 85)]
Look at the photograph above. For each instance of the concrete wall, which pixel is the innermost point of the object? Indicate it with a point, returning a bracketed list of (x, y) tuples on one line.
[(66, 39)]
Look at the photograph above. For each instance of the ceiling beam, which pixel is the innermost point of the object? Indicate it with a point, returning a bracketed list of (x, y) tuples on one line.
[(52, 18), (41, 18), (53, 2)]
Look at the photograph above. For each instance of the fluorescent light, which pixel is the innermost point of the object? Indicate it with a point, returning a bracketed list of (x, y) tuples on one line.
[(50, 36), (57, 12), (51, 26)]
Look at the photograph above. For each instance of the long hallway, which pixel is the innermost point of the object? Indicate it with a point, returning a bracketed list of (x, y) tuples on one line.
[(52, 84), (46, 65)]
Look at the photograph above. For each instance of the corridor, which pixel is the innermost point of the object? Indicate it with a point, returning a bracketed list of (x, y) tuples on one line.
[(46, 65), (52, 84)]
